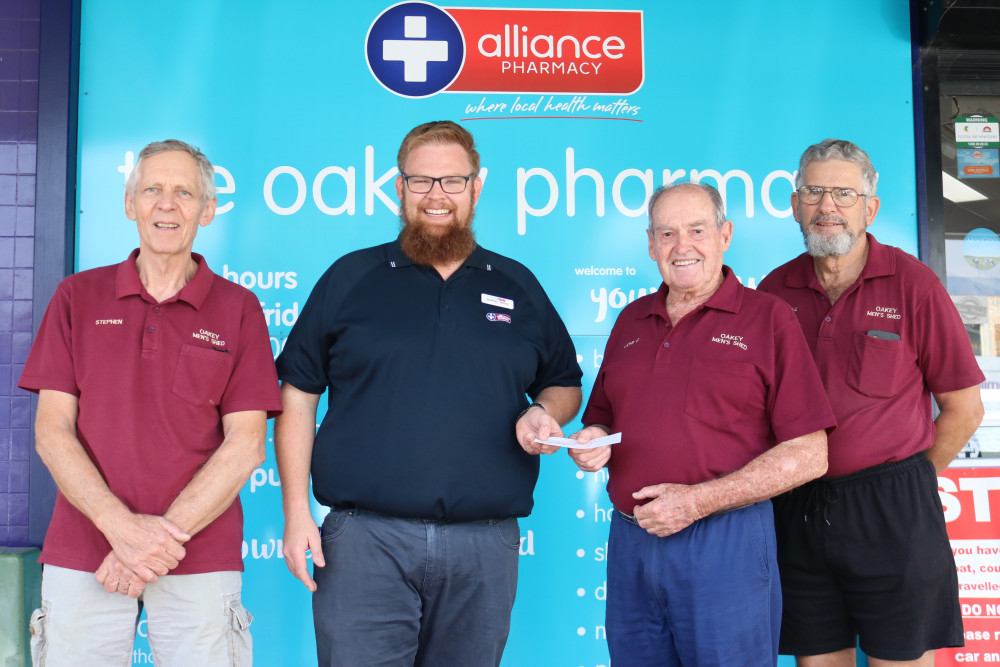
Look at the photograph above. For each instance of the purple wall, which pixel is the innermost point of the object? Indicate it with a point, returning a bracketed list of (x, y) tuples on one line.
[(19, 48)]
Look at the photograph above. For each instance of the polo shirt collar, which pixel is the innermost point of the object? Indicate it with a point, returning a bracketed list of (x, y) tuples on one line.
[(477, 259), (127, 281), (728, 297), (396, 257), (881, 262)]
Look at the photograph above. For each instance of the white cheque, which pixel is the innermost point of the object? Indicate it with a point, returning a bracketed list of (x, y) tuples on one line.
[(612, 439)]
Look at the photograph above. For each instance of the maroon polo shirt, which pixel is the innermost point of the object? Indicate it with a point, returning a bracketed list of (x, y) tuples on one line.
[(880, 389), (153, 381), (702, 399)]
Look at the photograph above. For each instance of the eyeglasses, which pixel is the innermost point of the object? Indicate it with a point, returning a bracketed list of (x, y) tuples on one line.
[(452, 185), (842, 197)]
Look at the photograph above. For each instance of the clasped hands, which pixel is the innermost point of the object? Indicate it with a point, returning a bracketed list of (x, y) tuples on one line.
[(143, 548)]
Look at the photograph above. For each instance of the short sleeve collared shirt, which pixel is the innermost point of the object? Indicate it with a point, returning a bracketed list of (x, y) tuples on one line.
[(426, 378), (703, 398), (890, 340), (153, 381)]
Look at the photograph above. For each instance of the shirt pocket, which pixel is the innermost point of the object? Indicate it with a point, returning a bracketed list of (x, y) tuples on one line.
[(874, 366), (201, 375), (723, 393)]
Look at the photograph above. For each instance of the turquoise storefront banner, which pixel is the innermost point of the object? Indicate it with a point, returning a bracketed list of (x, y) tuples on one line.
[(579, 109)]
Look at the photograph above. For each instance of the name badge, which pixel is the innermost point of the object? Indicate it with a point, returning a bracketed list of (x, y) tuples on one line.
[(498, 301)]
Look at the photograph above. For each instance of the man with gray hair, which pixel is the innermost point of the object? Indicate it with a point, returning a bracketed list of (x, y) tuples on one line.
[(863, 551), (155, 379), (720, 408)]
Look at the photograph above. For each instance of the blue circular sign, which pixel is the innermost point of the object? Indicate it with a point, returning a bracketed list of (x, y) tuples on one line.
[(415, 49)]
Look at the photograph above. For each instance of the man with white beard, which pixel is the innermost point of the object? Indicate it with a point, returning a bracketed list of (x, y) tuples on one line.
[(863, 551), (428, 346)]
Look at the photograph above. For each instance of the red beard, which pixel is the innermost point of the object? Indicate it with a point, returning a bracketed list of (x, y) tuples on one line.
[(429, 245)]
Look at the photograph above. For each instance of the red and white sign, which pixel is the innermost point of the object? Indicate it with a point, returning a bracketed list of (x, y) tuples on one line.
[(550, 50), (971, 499)]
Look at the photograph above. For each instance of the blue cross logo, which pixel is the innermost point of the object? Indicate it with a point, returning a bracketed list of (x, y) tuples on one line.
[(415, 49)]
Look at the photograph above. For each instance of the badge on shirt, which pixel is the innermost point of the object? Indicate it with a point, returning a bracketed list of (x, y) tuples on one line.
[(491, 300), (730, 339)]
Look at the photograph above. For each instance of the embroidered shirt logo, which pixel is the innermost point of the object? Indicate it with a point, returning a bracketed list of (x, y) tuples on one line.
[(498, 317), (730, 339), (630, 343), (885, 312), (213, 338), (499, 301), (114, 321)]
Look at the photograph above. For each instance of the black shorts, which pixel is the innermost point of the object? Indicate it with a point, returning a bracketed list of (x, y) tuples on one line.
[(867, 556)]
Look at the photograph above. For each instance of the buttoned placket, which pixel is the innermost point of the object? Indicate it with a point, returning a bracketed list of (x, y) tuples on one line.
[(826, 330), (663, 355), (151, 329), (444, 298)]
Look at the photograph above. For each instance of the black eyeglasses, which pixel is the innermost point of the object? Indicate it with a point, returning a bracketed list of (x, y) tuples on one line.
[(452, 185), (842, 197)]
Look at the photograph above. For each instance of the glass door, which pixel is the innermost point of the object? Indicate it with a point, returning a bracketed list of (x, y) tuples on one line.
[(970, 179)]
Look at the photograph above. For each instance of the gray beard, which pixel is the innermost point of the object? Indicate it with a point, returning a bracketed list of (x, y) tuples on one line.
[(821, 245)]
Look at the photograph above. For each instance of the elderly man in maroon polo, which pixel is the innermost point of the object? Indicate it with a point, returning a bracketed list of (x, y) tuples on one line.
[(155, 379), (864, 552), (720, 408)]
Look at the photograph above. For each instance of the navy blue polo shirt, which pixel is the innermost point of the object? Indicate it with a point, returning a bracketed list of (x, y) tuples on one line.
[(426, 378)]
